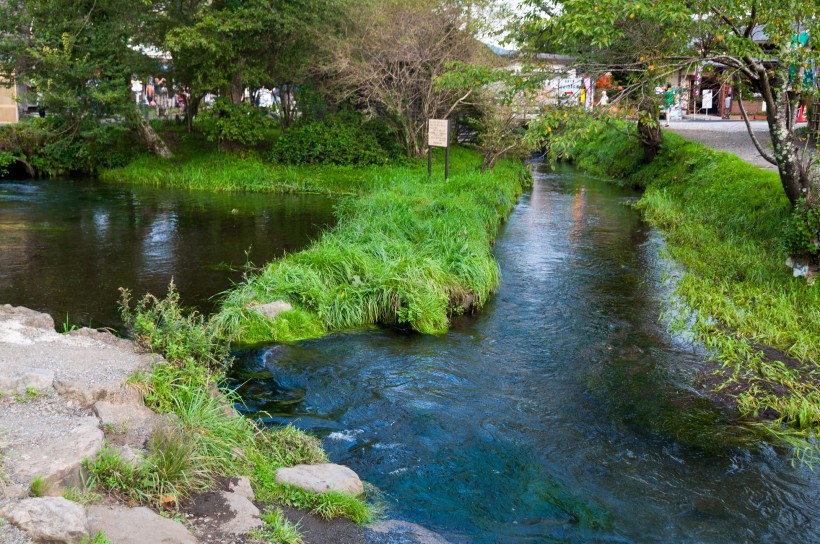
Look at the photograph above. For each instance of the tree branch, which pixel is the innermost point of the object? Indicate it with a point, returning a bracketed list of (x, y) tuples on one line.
[(755, 141)]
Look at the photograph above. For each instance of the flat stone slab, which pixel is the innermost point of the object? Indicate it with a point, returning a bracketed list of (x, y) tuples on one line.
[(49, 519), (321, 478), (48, 443), (127, 424), (83, 366), (137, 526)]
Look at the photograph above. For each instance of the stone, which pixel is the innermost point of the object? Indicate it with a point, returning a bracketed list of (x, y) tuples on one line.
[(321, 478), (245, 515), (393, 530), (59, 462), (86, 394), (26, 317), (49, 519), (17, 380), (136, 526), (272, 309), (104, 337), (127, 424), (241, 485)]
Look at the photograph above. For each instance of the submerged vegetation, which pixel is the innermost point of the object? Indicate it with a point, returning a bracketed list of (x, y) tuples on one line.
[(737, 295)]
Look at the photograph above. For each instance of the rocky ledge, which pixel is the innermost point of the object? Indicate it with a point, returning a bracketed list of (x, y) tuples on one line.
[(62, 395)]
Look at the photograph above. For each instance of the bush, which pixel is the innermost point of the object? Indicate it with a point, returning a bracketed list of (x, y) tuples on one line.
[(803, 232), (232, 124), (333, 141)]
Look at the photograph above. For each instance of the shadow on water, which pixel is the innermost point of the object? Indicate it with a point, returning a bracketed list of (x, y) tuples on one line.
[(68, 245), (560, 413)]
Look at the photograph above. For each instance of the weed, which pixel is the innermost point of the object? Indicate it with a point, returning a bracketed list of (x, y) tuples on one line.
[(39, 487), (82, 495), (30, 395), (98, 538), (67, 326), (277, 529)]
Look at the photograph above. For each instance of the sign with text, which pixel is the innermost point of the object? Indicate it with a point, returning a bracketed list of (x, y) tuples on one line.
[(438, 133), (707, 99)]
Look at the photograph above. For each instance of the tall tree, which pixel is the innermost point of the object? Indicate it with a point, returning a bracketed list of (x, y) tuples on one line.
[(389, 54), (80, 56), (763, 44)]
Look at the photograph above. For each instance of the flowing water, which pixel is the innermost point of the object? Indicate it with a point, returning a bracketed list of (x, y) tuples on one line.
[(66, 246), (560, 413)]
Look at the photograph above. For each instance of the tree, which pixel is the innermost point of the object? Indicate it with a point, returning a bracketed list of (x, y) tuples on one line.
[(389, 54), (761, 44), (80, 58)]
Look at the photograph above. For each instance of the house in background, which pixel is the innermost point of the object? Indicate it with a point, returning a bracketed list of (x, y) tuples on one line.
[(15, 102)]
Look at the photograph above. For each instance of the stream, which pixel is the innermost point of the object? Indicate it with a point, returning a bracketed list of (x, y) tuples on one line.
[(562, 412)]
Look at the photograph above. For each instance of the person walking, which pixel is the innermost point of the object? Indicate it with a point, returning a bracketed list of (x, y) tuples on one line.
[(669, 100)]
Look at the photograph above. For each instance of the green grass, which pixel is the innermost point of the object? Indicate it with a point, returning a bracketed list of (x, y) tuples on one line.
[(277, 529), (410, 252), (724, 220)]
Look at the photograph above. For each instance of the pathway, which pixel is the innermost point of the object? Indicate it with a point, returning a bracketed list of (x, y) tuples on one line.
[(731, 136)]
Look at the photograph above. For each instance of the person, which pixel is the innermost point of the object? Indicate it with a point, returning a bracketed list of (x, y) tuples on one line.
[(604, 99), (149, 92), (727, 106), (136, 88), (669, 100)]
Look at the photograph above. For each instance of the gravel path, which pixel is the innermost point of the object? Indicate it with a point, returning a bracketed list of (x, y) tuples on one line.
[(731, 136)]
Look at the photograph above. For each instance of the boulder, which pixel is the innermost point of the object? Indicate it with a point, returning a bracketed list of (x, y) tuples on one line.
[(241, 485), (49, 519), (321, 478), (136, 526), (272, 309), (127, 424), (245, 515), (17, 380), (26, 317)]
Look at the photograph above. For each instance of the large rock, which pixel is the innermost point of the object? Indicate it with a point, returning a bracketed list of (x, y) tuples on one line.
[(137, 526), (49, 519), (58, 459), (272, 309), (321, 478), (26, 317), (241, 485), (127, 424), (244, 514), (19, 380)]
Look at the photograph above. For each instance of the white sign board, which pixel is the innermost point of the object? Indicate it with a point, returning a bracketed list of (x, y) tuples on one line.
[(707, 99), (438, 133)]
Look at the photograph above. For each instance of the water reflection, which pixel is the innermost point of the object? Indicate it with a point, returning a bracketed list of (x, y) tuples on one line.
[(66, 246), (561, 413)]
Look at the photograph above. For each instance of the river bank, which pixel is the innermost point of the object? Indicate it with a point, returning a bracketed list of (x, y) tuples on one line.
[(723, 220)]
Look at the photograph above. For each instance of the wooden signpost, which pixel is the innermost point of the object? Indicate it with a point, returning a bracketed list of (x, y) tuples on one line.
[(438, 135)]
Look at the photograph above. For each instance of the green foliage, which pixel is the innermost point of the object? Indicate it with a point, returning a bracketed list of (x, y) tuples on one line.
[(723, 220), (803, 233), (98, 538), (6, 160), (162, 325), (39, 487), (329, 142), (277, 529), (43, 144), (229, 123), (410, 253), (329, 505)]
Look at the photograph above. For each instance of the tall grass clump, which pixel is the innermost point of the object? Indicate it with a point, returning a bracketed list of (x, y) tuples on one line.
[(412, 252), (725, 221), (203, 438)]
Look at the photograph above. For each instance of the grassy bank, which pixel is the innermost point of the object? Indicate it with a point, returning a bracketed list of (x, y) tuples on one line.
[(724, 220), (410, 252)]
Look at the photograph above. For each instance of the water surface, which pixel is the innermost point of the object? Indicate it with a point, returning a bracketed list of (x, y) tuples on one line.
[(563, 412), (66, 246)]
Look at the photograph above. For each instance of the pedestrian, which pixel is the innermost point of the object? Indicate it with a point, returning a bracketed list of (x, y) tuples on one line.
[(669, 99), (604, 99), (149, 92), (727, 106)]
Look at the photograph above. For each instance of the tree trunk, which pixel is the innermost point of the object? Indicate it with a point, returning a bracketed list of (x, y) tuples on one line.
[(649, 128), (149, 137)]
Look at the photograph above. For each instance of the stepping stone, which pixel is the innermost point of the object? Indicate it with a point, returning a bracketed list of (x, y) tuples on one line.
[(321, 478), (136, 526)]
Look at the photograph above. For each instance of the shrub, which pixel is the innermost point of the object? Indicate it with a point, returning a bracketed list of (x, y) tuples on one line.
[(803, 232), (232, 124), (334, 141)]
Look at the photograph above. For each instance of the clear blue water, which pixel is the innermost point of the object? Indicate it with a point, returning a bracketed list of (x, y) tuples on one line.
[(66, 246), (563, 412)]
